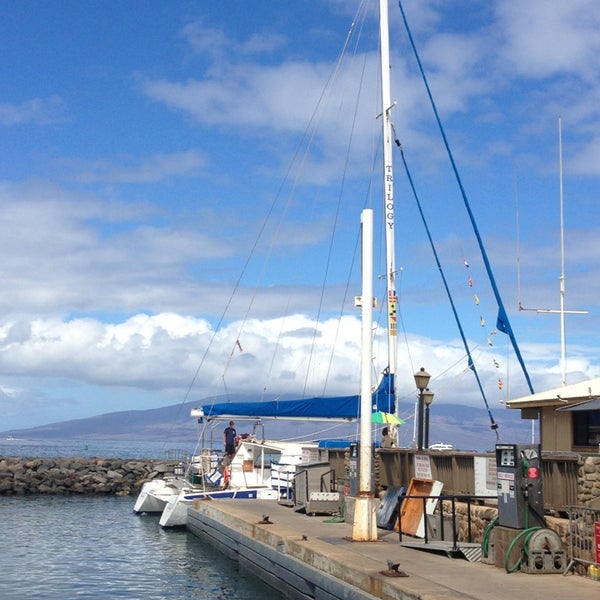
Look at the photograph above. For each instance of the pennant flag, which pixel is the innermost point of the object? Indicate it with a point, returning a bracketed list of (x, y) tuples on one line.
[(496, 364), (466, 263), (482, 321), (500, 384), (489, 341), (476, 299), (470, 282)]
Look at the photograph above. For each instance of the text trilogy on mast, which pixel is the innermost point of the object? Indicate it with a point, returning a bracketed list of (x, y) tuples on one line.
[(388, 191)]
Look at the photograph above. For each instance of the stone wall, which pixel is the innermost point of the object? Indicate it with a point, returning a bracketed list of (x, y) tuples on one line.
[(100, 476), (588, 480)]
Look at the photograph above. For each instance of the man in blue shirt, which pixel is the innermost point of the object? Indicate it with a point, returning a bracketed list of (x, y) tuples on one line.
[(229, 436)]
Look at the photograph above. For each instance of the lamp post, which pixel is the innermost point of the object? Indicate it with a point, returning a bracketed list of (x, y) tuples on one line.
[(428, 399), (422, 378)]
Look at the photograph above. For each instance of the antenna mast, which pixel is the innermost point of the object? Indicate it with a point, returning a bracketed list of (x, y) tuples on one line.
[(561, 310)]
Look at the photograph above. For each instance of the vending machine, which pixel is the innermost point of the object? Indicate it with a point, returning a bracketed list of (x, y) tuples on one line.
[(520, 498)]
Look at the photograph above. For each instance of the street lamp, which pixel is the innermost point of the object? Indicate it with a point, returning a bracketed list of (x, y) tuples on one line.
[(422, 378), (428, 398)]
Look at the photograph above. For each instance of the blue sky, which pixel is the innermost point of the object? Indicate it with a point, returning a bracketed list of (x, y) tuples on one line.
[(145, 143)]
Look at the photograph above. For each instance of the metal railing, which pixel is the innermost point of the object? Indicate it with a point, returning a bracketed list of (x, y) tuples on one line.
[(440, 514), (584, 535)]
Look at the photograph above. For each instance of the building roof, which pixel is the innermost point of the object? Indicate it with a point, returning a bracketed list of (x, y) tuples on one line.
[(560, 396), (593, 404)]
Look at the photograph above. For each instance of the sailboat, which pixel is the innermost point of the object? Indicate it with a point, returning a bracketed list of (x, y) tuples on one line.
[(263, 468), (254, 472)]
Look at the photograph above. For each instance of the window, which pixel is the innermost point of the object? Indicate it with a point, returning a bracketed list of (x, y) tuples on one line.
[(586, 428)]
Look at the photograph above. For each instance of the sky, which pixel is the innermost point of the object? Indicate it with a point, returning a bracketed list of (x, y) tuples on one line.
[(170, 173)]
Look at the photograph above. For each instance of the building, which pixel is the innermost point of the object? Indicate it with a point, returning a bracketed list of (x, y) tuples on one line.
[(569, 416)]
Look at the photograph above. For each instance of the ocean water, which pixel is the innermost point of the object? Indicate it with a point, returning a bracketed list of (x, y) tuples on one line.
[(71, 547), (52, 448)]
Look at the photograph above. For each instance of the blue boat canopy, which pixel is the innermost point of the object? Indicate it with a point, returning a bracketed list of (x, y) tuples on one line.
[(321, 408)]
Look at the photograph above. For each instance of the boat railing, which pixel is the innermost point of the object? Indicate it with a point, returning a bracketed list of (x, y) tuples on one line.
[(205, 468), (177, 454), (282, 481)]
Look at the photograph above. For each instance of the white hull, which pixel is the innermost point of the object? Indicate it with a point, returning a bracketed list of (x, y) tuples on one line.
[(155, 494), (259, 470), (176, 509)]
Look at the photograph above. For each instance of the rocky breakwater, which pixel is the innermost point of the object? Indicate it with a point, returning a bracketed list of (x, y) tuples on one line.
[(92, 476)]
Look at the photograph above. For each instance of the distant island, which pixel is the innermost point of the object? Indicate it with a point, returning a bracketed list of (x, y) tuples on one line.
[(464, 427)]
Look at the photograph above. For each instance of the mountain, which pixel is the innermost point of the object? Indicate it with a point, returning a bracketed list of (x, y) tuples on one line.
[(465, 427)]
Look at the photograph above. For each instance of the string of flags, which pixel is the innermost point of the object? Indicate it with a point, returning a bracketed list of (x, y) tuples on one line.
[(492, 333)]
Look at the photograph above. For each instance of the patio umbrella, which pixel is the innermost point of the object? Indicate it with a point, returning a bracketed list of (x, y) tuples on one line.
[(386, 417)]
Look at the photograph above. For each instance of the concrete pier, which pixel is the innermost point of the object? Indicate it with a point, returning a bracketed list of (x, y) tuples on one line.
[(314, 558)]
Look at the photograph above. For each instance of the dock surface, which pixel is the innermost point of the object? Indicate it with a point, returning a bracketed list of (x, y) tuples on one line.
[(321, 548)]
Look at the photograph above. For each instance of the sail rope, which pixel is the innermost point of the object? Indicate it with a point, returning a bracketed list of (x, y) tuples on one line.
[(502, 322), (471, 362), (298, 161)]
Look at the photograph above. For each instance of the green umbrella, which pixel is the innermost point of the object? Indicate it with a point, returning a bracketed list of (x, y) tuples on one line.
[(385, 417)]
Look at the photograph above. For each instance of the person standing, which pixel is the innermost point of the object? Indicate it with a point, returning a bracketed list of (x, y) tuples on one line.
[(229, 436), (386, 440)]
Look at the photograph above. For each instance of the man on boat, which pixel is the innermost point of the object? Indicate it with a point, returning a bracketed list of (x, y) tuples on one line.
[(229, 436)]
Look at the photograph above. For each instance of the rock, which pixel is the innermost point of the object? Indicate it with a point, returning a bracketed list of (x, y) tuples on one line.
[(77, 475)]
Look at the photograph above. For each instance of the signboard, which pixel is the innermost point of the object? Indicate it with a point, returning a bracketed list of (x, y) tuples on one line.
[(422, 467), (597, 540), (485, 475)]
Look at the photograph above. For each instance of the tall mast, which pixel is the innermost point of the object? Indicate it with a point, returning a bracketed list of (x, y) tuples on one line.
[(388, 189), (561, 311), (563, 344)]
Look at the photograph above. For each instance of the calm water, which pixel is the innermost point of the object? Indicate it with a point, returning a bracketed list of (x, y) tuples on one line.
[(104, 448), (67, 547)]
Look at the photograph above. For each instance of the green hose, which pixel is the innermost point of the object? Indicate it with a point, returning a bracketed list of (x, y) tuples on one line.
[(527, 533), (486, 536)]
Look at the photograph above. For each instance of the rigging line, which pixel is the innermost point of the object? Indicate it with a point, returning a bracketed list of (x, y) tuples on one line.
[(366, 203), (439, 266), (518, 227), (503, 323), (335, 222), (341, 314), (277, 345), (401, 319), (306, 142)]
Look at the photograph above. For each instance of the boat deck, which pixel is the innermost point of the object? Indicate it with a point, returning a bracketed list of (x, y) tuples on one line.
[(318, 552)]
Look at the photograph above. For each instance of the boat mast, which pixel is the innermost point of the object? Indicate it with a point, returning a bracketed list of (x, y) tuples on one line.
[(388, 191)]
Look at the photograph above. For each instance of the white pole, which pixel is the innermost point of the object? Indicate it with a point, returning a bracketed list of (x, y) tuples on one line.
[(563, 343), (365, 519), (366, 399), (388, 193)]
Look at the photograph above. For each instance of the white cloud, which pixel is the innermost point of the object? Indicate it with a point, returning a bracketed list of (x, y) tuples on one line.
[(75, 252), (189, 163), (38, 111), (543, 40), (278, 97), (278, 356)]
